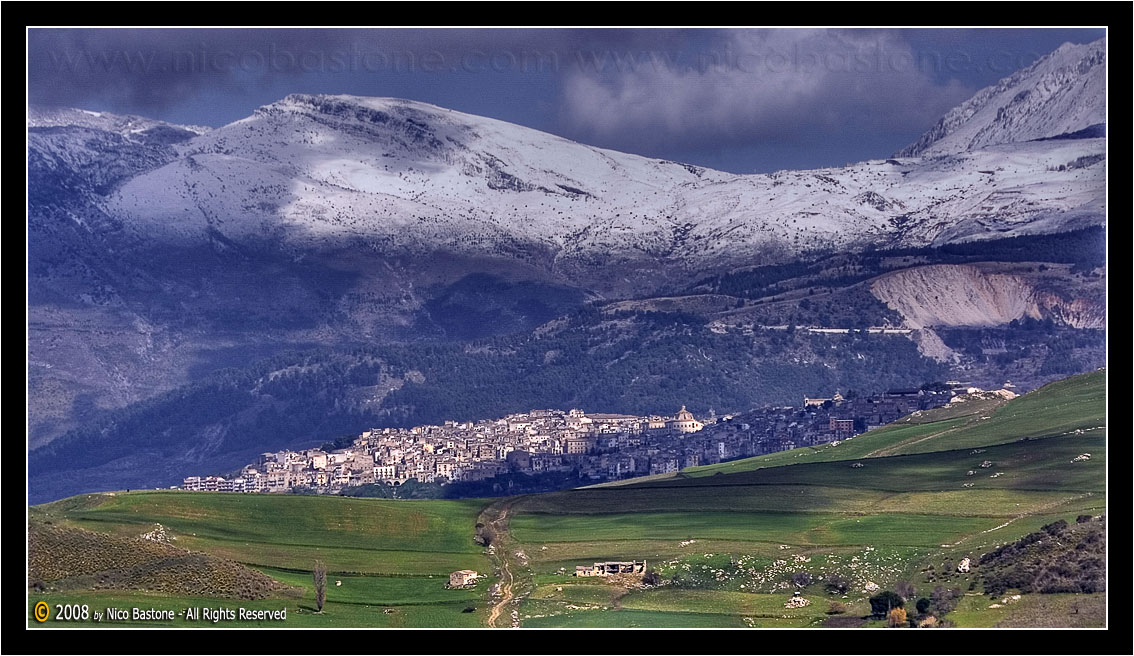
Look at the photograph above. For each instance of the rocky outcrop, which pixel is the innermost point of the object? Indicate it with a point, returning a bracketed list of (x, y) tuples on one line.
[(1078, 312), (966, 295), (956, 295)]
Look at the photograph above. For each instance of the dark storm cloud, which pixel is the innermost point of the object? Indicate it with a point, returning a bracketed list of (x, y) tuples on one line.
[(740, 99), (148, 70), (764, 85)]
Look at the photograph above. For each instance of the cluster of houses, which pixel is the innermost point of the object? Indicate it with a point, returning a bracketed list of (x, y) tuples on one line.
[(593, 446), (535, 442)]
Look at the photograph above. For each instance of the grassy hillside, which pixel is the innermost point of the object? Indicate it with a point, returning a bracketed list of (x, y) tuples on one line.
[(66, 559), (370, 536), (728, 538), (1075, 403), (731, 542)]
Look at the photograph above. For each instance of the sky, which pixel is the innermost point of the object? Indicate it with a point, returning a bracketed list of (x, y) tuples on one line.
[(739, 100)]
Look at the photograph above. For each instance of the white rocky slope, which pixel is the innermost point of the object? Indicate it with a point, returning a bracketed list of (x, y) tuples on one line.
[(1061, 93)]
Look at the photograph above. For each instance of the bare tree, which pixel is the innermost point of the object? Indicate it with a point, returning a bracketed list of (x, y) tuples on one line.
[(319, 574)]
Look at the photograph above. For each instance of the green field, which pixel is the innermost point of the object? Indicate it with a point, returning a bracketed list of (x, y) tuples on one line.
[(730, 541), (300, 614), (624, 619), (383, 554), (911, 508), (810, 529), (351, 535)]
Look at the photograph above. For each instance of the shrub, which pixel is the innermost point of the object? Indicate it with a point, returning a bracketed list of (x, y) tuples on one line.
[(897, 617), (485, 536), (836, 584), (945, 600), (836, 608), (885, 601), (1055, 528), (905, 589), (801, 579), (923, 606), (652, 578)]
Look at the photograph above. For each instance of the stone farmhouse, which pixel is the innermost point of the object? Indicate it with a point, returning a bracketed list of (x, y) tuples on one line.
[(611, 568)]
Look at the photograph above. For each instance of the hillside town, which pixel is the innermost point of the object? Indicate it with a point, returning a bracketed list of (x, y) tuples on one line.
[(591, 446)]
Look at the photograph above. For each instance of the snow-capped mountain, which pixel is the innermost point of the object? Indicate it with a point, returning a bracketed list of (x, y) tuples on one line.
[(310, 169), (1062, 93), (158, 252)]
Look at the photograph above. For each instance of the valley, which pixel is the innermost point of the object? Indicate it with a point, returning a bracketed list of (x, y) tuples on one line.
[(304, 354), (728, 541)]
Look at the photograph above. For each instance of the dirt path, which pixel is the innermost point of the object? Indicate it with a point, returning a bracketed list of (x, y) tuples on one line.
[(893, 449), (496, 518), (973, 418), (1039, 510)]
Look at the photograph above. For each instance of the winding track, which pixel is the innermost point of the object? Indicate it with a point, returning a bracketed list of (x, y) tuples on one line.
[(496, 517)]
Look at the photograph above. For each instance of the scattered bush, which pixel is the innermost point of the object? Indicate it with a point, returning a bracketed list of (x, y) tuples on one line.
[(836, 608), (944, 599), (1074, 563)]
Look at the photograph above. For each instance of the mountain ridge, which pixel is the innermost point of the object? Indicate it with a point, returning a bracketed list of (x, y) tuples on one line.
[(1042, 101), (402, 176)]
